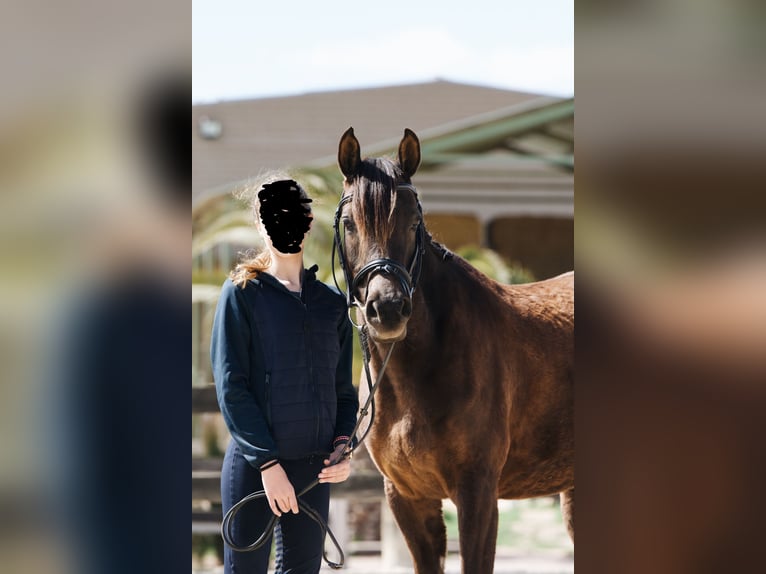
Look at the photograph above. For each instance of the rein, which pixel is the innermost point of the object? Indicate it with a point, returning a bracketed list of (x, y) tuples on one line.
[(408, 279)]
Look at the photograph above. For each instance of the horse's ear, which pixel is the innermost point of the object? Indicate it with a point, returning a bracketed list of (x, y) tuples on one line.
[(409, 153), (349, 158)]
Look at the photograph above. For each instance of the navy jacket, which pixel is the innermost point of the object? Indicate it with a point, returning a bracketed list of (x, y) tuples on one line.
[(282, 367)]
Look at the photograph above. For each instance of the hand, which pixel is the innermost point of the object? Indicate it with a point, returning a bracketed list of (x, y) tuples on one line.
[(279, 491), (337, 472)]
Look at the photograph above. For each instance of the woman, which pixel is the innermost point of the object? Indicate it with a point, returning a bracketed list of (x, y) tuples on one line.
[(281, 356)]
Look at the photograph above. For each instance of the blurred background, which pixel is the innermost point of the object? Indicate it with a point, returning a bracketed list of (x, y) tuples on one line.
[(94, 252), (671, 317)]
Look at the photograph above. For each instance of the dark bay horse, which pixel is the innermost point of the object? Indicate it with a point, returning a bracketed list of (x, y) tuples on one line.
[(477, 400)]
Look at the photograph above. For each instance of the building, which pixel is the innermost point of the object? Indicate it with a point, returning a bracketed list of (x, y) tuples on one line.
[(497, 165)]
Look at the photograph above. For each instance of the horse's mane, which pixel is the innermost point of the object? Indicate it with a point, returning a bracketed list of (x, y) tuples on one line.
[(375, 187), (375, 190), (440, 249)]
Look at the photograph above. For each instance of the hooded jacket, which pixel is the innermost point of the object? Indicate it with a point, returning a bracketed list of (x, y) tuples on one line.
[(282, 367)]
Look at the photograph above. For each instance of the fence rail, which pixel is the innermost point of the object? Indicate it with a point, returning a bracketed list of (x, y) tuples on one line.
[(206, 483), (204, 400)]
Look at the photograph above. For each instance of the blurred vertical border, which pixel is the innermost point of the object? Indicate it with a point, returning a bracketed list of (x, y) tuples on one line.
[(671, 261), (94, 252)]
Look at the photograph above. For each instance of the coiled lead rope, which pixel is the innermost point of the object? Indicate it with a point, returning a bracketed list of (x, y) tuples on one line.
[(369, 406)]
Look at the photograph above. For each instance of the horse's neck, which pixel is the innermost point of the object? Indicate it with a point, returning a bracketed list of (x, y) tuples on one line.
[(410, 384)]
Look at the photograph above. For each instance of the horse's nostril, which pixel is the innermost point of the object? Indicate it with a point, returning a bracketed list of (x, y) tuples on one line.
[(372, 310), (389, 311)]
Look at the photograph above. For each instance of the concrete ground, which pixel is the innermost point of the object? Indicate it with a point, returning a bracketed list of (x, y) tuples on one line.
[(535, 543), (504, 564)]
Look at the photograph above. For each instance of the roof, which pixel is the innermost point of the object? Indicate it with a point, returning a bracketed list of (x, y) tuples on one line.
[(273, 133), (542, 127)]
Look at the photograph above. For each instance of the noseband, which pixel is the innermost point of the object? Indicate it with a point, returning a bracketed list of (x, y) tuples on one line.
[(407, 277)]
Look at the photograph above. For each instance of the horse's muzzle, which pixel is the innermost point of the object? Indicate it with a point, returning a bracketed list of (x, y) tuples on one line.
[(387, 318)]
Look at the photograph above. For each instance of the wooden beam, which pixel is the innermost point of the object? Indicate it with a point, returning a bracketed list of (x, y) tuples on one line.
[(474, 134), (204, 399), (206, 485), (494, 133)]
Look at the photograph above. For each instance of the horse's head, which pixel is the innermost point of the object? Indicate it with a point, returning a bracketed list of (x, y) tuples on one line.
[(379, 228)]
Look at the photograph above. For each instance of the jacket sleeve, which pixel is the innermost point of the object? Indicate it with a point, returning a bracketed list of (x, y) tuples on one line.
[(348, 400), (230, 360)]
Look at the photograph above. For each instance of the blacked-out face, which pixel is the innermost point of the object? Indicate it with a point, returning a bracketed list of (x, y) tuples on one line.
[(381, 222), (285, 214)]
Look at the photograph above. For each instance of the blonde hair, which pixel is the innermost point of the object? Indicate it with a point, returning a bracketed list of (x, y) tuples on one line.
[(256, 263)]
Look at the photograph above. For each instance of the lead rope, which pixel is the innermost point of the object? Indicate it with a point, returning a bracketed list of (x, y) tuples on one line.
[(369, 406)]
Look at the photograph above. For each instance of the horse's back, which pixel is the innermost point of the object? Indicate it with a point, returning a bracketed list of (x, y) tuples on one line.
[(568, 277), (547, 302), (563, 283)]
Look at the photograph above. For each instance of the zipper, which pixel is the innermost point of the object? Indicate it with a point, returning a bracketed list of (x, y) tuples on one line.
[(310, 360), (268, 399)]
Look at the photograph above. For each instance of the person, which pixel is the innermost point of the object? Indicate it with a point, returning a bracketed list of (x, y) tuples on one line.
[(281, 353)]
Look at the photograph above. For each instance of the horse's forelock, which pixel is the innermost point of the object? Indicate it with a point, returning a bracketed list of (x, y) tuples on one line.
[(376, 196)]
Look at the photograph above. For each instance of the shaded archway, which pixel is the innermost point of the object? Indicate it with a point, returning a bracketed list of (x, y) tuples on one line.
[(542, 244)]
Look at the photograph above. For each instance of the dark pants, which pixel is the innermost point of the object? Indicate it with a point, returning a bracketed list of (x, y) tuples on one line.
[(299, 540)]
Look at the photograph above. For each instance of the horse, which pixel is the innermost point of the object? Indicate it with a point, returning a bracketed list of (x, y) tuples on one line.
[(476, 403)]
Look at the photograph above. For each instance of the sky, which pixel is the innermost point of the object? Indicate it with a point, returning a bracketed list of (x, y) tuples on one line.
[(259, 48)]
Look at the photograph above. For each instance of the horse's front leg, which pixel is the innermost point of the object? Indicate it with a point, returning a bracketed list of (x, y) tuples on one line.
[(422, 524), (476, 501)]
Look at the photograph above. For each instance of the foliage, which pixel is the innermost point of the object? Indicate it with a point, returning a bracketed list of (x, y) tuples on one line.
[(493, 265), (532, 526), (210, 438)]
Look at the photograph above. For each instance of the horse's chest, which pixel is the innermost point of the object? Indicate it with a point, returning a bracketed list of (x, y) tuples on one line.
[(404, 438), (404, 451)]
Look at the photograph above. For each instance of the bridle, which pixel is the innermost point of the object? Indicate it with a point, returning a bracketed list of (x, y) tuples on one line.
[(408, 278)]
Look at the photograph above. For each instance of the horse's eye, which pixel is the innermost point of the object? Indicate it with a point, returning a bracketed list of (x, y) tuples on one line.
[(349, 225), (414, 226)]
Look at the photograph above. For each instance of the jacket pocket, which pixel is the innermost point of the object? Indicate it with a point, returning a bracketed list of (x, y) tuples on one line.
[(268, 399)]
